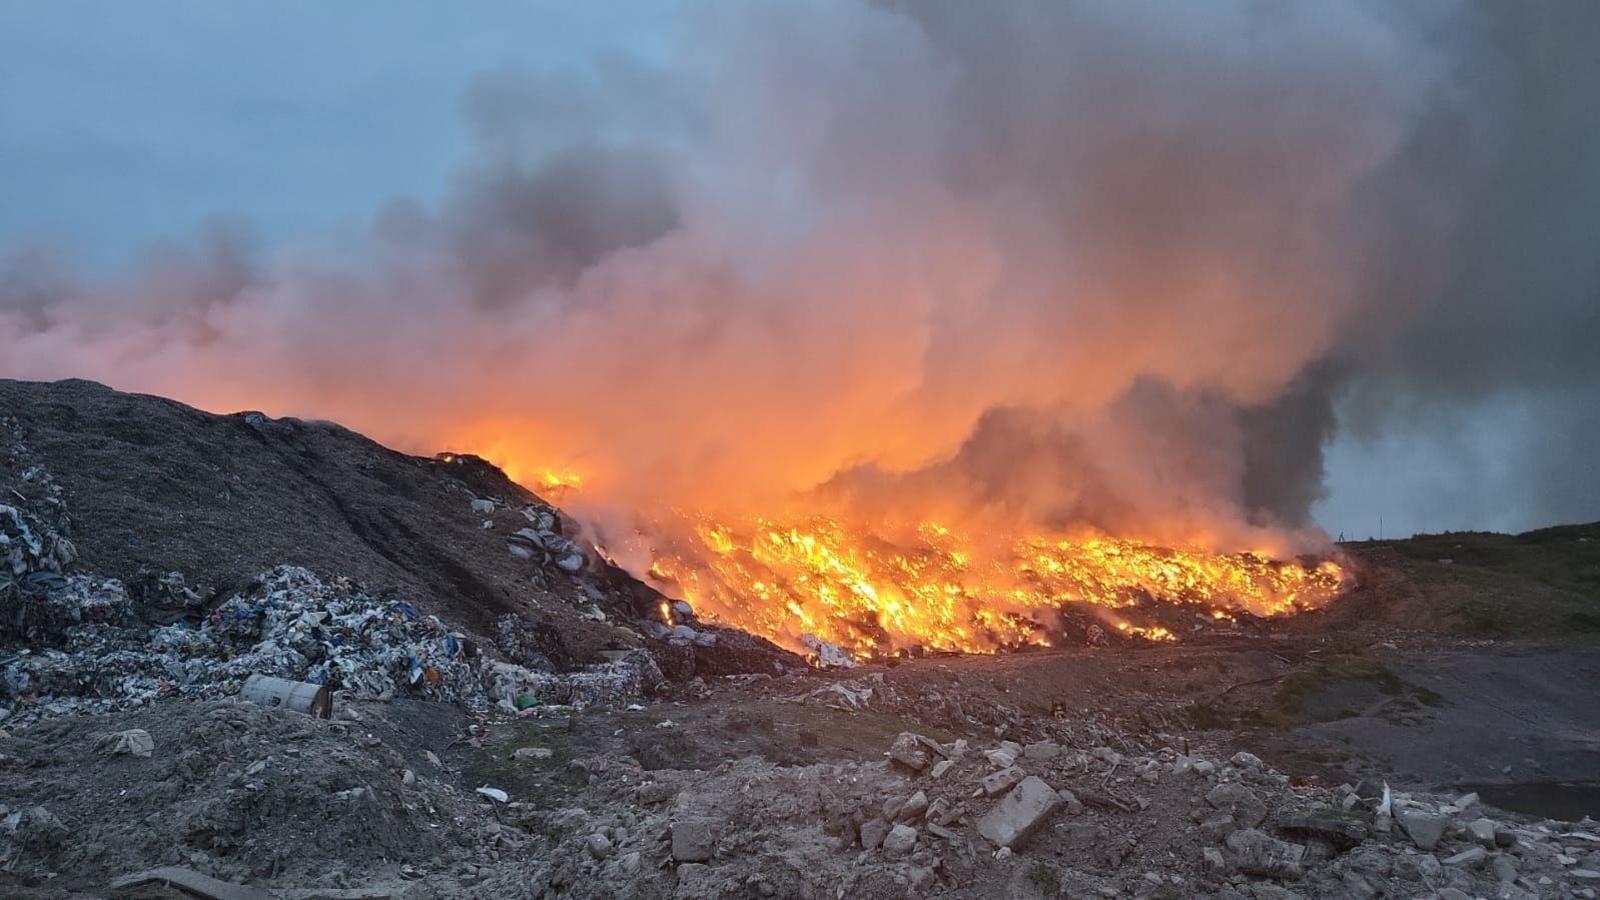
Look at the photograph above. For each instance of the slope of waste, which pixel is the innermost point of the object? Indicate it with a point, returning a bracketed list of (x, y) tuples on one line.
[(124, 514)]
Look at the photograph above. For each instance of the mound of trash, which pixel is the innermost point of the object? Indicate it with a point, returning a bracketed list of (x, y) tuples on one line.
[(293, 624)]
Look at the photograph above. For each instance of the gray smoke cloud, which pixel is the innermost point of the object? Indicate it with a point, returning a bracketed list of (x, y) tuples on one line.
[(1125, 265)]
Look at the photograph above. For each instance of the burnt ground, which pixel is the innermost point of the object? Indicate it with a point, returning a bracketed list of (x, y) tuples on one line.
[(1459, 663)]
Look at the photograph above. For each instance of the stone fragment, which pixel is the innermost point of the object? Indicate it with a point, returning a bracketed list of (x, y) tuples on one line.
[(1482, 831), (910, 752), (1505, 870), (169, 880), (899, 842), (1204, 767), (1041, 751), (532, 753), (1214, 860), (913, 807), (997, 783), (598, 845), (1338, 832), (630, 862), (1020, 813), (1230, 793), (1070, 801), (693, 839), (1246, 760), (1368, 789), (1424, 829), (1467, 857), (873, 831), (1258, 853), (891, 807), (693, 881), (483, 507), (656, 792), (1000, 759), (940, 767)]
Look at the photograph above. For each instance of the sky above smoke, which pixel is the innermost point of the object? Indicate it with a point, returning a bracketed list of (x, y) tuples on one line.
[(1166, 269)]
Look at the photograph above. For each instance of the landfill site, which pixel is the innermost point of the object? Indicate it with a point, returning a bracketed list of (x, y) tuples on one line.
[(254, 657)]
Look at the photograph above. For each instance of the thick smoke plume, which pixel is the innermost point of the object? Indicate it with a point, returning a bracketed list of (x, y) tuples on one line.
[(1084, 263)]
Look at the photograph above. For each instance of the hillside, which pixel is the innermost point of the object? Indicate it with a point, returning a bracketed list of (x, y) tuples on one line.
[(144, 486)]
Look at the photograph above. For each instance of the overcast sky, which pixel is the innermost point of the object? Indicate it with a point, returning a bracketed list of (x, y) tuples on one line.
[(124, 125)]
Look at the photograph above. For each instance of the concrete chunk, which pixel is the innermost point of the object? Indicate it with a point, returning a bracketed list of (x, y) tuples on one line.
[(912, 752), (997, 783), (1016, 817), (1259, 853), (1424, 829), (190, 882), (899, 842), (693, 840), (873, 831)]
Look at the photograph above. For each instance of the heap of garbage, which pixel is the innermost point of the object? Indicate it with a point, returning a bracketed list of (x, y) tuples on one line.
[(288, 623), (35, 597)]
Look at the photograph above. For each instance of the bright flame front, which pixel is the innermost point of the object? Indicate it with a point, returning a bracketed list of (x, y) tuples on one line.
[(934, 588)]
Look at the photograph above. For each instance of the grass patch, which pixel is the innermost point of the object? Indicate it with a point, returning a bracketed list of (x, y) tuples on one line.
[(1207, 717), (1426, 696), (1343, 667), (1323, 757), (1482, 619), (1045, 878)]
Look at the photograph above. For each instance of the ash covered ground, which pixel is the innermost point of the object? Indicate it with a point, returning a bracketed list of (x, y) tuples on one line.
[(512, 719)]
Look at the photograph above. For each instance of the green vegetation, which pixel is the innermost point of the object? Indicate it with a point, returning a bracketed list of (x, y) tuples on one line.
[(1045, 878), (1541, 584)]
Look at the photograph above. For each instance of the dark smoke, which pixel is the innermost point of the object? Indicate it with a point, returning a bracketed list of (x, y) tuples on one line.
[(1123, 265)]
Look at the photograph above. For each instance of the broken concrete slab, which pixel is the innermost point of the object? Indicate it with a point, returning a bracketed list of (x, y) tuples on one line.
[(190, 882), (997, 783), (693, 839), (1258, 853), (913, 752), (1020, 813), (1424, 829)]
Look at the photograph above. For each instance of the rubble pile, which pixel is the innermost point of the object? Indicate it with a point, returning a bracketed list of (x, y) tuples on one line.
[(1041, 820)]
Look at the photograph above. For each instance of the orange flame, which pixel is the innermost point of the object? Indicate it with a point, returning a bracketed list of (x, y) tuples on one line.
[(938, 589)]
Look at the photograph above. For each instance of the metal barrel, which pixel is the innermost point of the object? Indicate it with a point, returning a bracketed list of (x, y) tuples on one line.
[(314, 699)]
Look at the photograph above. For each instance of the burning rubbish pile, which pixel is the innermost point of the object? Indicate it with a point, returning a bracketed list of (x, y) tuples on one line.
[(930, 587)]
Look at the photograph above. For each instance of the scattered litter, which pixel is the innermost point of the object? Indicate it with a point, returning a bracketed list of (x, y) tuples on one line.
[(299, 696), (134, 742), (826, 655)]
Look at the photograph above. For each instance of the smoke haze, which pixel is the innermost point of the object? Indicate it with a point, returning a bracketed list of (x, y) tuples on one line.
[(1121, 265)]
